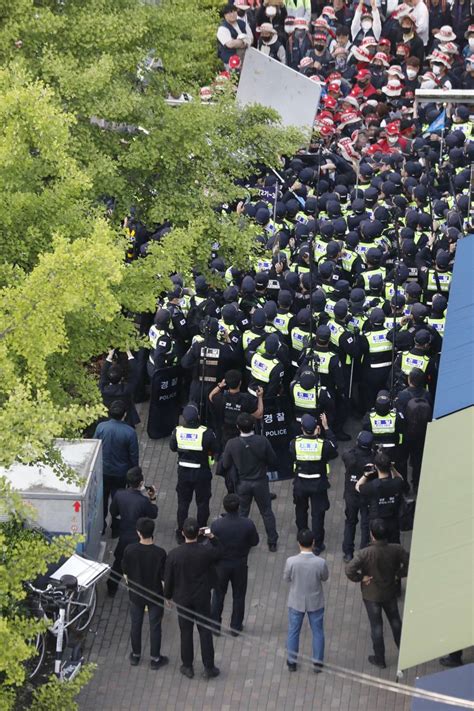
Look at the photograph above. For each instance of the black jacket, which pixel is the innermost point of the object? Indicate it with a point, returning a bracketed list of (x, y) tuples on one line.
[(145, 566), (130, 505), (251, 456), (237, 535), (188, 572)]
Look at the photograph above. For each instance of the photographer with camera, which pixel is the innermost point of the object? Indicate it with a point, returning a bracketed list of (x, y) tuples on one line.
[(383, 487), (311, 451), (227, 402), (130, 504)]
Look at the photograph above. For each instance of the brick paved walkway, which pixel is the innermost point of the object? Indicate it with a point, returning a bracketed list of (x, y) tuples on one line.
[(253, 671)]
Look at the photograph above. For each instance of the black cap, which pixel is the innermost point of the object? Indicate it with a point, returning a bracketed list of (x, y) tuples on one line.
[(272, 344), (285, 298), (419, 311), (365, 440), (323, 333), (191, 413), (341, 308), (422, 337), (259, 318), (308, 423), (377, 316), (307, 379)]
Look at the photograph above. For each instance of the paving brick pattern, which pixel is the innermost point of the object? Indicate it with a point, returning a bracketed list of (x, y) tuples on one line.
[(253, 670)]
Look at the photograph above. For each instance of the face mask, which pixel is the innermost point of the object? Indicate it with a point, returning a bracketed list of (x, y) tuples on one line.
[(270, 11), (471, 43), (241, 13), (436, 69), (289, 29), (411, 73), (366, 25), (319, 47), (265, 40), (392, 140)]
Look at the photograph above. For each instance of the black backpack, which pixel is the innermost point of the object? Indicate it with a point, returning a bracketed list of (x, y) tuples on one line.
[(417, 415)]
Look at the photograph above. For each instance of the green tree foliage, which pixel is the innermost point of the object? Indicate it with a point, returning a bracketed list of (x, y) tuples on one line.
[(42, 189)]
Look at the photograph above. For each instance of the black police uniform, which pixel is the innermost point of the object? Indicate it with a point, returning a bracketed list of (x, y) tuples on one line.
[(311, 455), (194, 444)]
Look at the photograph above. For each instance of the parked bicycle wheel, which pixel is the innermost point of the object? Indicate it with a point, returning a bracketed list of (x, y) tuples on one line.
[(34, 663), (81, 608)]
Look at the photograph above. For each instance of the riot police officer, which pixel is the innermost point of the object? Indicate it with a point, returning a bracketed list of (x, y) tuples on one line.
[(309, 398), (178, 319), (355, 460), (377, 356), (209, 358), (195, 444), (416, 357), (387, 426), (165, 351), (266, 369), (311, 453)]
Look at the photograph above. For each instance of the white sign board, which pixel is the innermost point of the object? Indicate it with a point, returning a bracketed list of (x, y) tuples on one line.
[(265, 81)]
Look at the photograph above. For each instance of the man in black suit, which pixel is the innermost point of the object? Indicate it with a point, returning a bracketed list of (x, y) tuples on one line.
[(144, 563), (251, 456), (237, 535), (128, 505), (188, 584)]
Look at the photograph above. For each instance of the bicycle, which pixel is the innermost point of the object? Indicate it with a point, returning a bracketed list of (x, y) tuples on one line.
[(70, 601)]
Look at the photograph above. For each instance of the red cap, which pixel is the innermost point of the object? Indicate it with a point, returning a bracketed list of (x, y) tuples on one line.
[(329, 102), (393, 128), (362, 74), (334, 86)]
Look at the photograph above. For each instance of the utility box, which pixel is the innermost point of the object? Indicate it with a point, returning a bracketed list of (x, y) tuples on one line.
[(64, 507)]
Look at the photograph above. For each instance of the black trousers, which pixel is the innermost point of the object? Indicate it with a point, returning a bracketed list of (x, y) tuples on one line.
[(260, 491), (303, 496), (186, 621), (116, 571), (111, 484), (235, 573), (155, 614), (374, 611), (188, 486), (414, 453), (352, 512)]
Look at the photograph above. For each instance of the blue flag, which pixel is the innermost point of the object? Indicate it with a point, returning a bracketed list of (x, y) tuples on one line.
[(438, 124)]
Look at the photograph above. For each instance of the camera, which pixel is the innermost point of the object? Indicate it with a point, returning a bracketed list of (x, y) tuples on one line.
[(369, 470)]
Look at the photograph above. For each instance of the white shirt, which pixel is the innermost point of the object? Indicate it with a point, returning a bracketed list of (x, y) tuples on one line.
[(422, 17)]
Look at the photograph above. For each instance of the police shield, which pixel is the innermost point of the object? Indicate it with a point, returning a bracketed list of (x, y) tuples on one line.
[(276, 428), (164, 406)]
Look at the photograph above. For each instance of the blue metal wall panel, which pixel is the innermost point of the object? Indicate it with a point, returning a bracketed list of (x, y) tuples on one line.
[(455, 389)]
